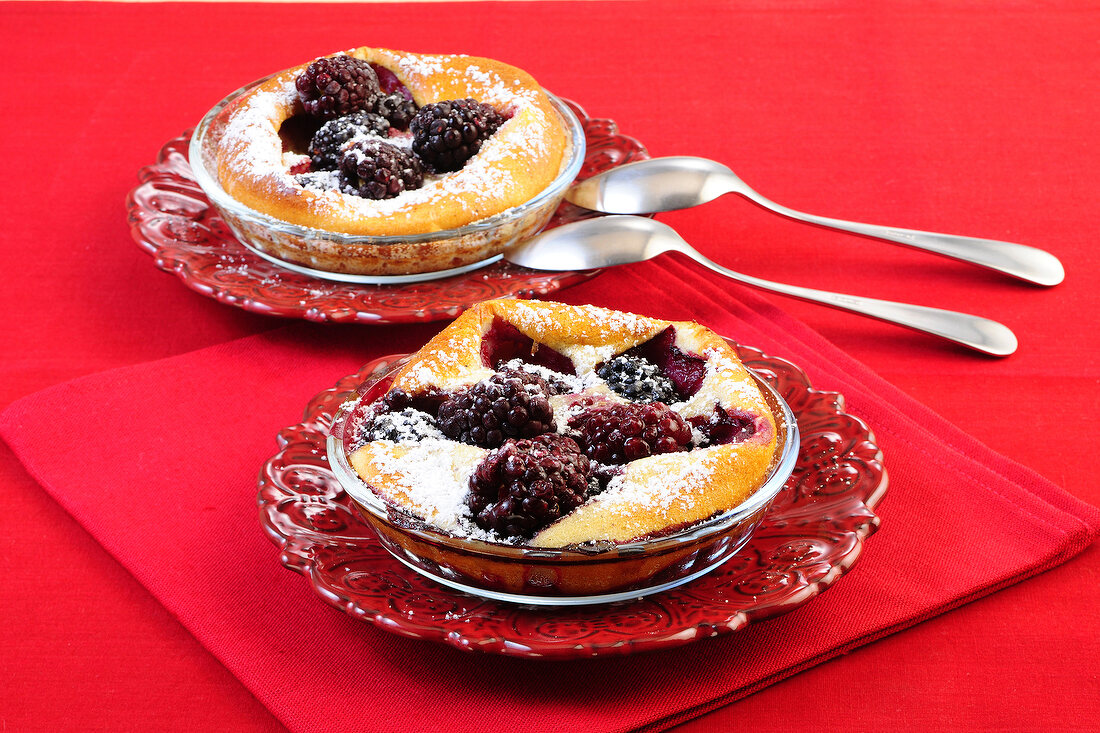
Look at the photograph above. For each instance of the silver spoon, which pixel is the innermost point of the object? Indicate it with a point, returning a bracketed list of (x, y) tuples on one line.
[(619, 240), (666, 184)]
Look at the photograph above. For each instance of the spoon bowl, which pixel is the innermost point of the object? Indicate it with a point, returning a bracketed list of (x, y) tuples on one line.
[(620, 240), (680, 182)]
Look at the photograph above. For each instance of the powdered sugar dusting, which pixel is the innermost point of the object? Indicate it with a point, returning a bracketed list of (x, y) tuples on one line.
[(424, 66), (594, 321), (447, 367), (253, 131), (535, 318), (497, 91), (618, 320), (656, 484), (531, 318), (319, 181), (572, 382), (725, 383), (434, 476)]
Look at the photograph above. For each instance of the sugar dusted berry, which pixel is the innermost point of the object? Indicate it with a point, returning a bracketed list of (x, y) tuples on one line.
[(337, 85), (557, 382), (404, 425), (525, 485), (637, 379), (619, 433), (396, 108), (685, 370), (509, 404), (375, 169), (327, 145), (447, 134)]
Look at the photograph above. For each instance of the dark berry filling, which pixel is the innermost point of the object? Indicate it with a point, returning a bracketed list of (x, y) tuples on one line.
[(619, 433), (301, 168), (532, 475), (527, 484), (510, 404), (637, 379), (447, 134), (504, 342), (396, 400), (389, 83), (297, 131), (444, 134), (404, 425), (723, 428), (684, 370), (556, 382)]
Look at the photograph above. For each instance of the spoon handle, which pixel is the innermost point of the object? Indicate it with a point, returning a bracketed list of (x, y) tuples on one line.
[(980, 334), (1018, 260)]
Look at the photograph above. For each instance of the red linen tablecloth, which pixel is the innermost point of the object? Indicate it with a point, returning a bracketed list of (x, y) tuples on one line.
[(976, 118)]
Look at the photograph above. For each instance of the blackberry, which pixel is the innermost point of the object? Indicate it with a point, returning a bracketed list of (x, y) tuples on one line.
[(447, 134), (336, 86), (637, 379), (319, 180), (620, 433), (375, 169), (398, 399), (509, 404), (525, 485), (327, 144), (557, 382), (401, 426), (396, 108), (601, 477)]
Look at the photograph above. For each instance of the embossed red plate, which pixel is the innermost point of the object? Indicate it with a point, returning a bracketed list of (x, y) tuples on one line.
[(812, 535), (171, 219)]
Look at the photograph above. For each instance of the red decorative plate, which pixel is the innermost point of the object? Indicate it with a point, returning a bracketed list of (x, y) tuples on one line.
[(171, 219), (812, 535)]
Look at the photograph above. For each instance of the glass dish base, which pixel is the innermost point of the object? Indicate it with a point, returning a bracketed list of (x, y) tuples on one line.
[(342, 277), (630, 595)]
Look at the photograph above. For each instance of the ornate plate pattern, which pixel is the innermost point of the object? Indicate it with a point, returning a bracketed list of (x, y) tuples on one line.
[(171, 219), (812, 535)]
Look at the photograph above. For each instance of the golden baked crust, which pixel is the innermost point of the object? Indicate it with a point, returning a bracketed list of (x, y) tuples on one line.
[(662, 493), (516, 163), (653, 495)]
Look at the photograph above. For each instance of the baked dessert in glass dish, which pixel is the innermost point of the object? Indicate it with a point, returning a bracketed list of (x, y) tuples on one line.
[(375, 165), (545, 453)]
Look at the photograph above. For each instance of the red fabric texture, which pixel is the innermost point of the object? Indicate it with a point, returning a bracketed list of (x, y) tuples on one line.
[(973, 117), (169, 490)]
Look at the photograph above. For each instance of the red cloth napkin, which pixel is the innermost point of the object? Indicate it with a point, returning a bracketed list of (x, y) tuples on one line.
[(159, 461)]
